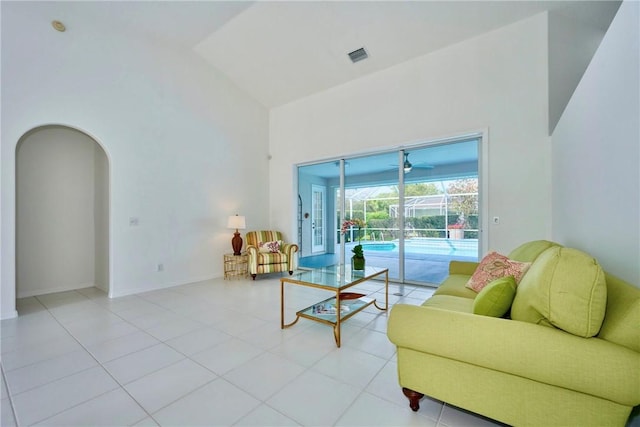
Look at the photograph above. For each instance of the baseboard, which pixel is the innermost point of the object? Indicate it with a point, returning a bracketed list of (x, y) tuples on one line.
[(159, 287), (45, 291), (11, 315)]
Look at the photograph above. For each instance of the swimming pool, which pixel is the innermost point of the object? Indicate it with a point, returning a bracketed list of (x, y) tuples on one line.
[(460, 247), (426, 260), (379, 246)]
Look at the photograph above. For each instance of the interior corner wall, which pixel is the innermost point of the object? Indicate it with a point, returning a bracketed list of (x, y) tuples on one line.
[(495, 82), (571, 47), (101, 219), (176, 132), (596, 154)]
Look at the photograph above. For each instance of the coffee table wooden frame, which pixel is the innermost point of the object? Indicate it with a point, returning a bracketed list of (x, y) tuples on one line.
[(340, 285)]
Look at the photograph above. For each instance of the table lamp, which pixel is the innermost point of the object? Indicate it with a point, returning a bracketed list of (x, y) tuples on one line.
[(236, 222)]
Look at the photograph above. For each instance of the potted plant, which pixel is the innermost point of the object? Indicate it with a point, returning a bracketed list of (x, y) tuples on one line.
[(456, 231), (357, 260)]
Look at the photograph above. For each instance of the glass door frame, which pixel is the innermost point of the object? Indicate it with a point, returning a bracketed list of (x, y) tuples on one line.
[(482, 164), (321, 221)]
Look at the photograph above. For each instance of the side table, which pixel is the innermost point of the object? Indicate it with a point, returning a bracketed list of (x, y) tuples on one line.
[(236, 266)]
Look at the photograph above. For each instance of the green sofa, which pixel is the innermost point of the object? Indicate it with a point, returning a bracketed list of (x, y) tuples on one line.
[(522, 368)]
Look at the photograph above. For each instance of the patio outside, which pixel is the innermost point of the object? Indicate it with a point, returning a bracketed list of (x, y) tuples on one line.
[(440, 225), (425, 259)]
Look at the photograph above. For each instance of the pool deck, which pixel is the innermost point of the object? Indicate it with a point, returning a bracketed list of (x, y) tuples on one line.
[(428, 268)]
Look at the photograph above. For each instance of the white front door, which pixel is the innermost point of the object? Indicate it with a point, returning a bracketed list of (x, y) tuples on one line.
[(317, 219)]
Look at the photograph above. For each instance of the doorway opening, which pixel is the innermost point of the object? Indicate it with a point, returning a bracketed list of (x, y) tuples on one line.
[(62, 212), (420, 204)]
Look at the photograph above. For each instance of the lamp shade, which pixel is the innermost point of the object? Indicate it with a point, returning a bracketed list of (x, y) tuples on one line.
[(237, 222)]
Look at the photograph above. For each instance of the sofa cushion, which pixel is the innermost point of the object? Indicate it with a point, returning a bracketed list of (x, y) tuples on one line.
[(528, 252), (622, 317), (495, 299), (455, 285), (462, 267), (494, 266), (564, 288), (450, 302)]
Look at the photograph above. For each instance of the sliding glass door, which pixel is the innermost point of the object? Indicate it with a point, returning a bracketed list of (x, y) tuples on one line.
[(370, 189), (440, 209), (420, 206)]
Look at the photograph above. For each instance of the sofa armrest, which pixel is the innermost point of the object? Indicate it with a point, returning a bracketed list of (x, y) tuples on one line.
[(462, 267), (548, 355)]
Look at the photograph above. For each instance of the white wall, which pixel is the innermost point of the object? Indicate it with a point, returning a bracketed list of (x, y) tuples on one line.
[(596, 152), (56, 234), (497, 81), (572, 44), (186, 147), (101, 219)]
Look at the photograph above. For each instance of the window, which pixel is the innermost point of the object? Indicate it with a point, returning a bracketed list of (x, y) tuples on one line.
[(420, 204)]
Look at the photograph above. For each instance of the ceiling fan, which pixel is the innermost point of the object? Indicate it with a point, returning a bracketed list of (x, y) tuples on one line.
[(407, 166)]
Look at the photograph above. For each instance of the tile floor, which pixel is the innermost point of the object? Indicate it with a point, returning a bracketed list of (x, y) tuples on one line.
[(208, 353)]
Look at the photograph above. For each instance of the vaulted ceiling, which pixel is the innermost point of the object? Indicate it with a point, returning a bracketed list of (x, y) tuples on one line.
[(280, 51)]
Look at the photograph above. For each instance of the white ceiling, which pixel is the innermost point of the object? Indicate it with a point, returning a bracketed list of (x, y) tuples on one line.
[(280, 51)]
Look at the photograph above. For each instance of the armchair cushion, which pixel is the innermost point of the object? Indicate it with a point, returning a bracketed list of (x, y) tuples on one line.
[(271, 258), (255, 237)]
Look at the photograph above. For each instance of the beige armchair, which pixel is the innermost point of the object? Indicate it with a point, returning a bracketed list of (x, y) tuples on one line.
[(269, 254)]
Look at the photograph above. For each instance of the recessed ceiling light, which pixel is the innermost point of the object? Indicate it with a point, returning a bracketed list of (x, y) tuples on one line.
[(358, 55), (58, 26)]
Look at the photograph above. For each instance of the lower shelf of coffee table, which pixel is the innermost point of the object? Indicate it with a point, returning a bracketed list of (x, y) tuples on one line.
[(317, 311)]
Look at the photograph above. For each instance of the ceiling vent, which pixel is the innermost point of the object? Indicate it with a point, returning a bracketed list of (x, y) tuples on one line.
[(358, 55)]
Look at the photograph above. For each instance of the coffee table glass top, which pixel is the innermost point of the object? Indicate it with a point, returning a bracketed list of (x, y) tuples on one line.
[(335, 276)]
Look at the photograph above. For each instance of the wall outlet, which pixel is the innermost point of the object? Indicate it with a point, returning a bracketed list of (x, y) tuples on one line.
[(496, 220), (160, 267)]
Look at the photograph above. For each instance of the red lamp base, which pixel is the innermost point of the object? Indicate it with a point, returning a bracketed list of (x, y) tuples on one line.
[(236, 243)]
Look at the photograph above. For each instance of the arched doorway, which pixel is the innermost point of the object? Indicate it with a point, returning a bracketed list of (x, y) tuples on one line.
[(62, 212)]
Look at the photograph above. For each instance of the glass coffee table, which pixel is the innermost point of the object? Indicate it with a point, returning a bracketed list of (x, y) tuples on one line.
[(343, 305)]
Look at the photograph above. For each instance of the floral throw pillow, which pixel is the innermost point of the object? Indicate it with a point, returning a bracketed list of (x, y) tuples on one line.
[(494, 266), (272, 247)]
